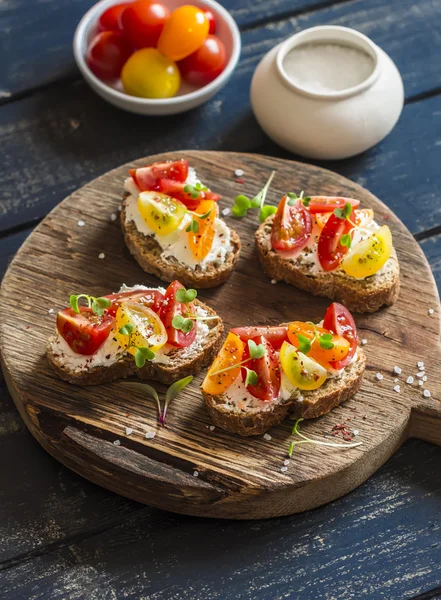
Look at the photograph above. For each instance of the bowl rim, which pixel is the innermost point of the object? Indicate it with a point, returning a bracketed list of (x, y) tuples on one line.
[(330, 33), (93, 14)]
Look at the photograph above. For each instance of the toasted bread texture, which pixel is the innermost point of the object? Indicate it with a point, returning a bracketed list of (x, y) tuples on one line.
[(182, 361), (148, 253), (359, 295), (307, 404)]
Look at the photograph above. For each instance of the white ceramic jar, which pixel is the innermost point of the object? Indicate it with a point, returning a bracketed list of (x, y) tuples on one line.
[(327, 124)]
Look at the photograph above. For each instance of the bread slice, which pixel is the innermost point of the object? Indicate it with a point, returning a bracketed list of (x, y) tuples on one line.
[(183, 361), (309, 405), (147, 252), (359, 295)]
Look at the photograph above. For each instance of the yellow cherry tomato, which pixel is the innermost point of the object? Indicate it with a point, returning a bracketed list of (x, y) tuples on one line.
[(303, 372), (184, 32), (150, 74), (161, 213), (148, 331), (230, 354), (367, 257), (321, 355), (201, 241)]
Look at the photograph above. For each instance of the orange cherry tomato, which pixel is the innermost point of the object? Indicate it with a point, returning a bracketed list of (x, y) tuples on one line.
[(321, 355), (107, 53), (184, 32), (230, 354), (143, 22), (200, 242)]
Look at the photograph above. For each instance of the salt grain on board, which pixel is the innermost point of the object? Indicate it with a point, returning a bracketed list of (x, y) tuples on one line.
[(426, 394), (267, 437), (113, 217), (195, 473), (226, 211), (101, 255), (410, 379), (397, 389), (363, 342), (117, 443), (81, 223), (379, 376), (397, 370), (150, 435), (129, 431), (238, 172)]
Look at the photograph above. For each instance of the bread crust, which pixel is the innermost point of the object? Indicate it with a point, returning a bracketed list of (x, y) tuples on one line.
[(314, 404), (359, 295), (177, 368), (148, 254)]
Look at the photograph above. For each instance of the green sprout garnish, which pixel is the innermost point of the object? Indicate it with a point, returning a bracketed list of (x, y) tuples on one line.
[(186, 296), (195, 190), (266, 211), (98, 305), (326, 342), (243, 204), (346, 240), (307, 440), (141, 354), (305, 343), (345, 212), (194, 223), (251, 378), (183, 324), (293, 198)]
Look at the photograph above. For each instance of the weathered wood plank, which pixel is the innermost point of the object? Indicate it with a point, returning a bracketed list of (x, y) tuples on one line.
[(57, 141), (37, 44), (382, 541), (432, 250)]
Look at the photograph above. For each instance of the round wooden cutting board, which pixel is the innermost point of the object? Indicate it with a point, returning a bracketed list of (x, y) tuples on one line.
[(189, 467)]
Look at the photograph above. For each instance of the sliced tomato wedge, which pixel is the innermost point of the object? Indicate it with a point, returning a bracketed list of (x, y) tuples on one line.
[(340, 321), (151, 298), (176, 189), (170, 308), (85, 332), (329, 250), (275, 335), (321, 204), (292, 226), (267, 369), (147, 178)]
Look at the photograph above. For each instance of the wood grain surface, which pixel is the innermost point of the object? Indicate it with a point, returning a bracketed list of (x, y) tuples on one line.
[(237, 478)]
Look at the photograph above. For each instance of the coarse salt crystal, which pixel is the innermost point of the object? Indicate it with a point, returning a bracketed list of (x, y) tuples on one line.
[(430, 311), (397, 370), (150, 435), (284, 469), (129, 431), (286, 462), (101, 255), (81, 223), (273, 281), (420, 374), (363, 342), (195, 473), (420, 364), (396, 380), (117, 443), (120, 207), (410, 379), (267, 437), (421, 382), (50, 311), (226, 211), (397, 389), (238, 172), (379, 376), (355, 432), (426, 394), (113, 217), (424, 378), (300, 398), (212, 427)]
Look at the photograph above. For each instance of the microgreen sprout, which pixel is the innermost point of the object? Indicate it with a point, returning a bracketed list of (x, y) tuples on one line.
[(193, 226), (346, 240), (251, 378), (243, 204), (98, 305), (186, 296), (195, 190), (307, 440), (305, 343), (184, 324), (345, 212), (185, 321), (255, 350), (326, 342), (293, 198), (142, 354)]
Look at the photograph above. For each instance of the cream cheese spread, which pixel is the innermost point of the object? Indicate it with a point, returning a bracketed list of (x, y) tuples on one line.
[(175, 244)]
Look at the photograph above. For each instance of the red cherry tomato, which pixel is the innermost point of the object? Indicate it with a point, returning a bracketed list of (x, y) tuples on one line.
[(170, 309), (323, 204), (340, 321), (110, 20), (329, 250), (151, 298), (147, 178), (291, 226), (267, 369), (206, 63), (176, 190), (85, 332), (275, 335), (211, 21), (143, 21), (107, 53)]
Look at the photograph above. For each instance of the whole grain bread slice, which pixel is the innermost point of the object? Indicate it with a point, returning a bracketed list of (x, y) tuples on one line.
[(148, 254), (359, 295), (306, 404), (183, 361)]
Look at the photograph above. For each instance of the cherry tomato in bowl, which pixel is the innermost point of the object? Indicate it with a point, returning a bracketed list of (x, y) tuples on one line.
[(110, 20), (150, 74), (184, 32), (143, 21), (211, 20), (205, 64), (107, 53)]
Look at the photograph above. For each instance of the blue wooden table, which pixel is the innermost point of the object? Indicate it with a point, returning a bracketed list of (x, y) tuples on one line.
[(64, 538)]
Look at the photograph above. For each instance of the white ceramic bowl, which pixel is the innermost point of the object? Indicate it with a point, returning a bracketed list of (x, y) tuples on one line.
[(329, 125), (188, 98)]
